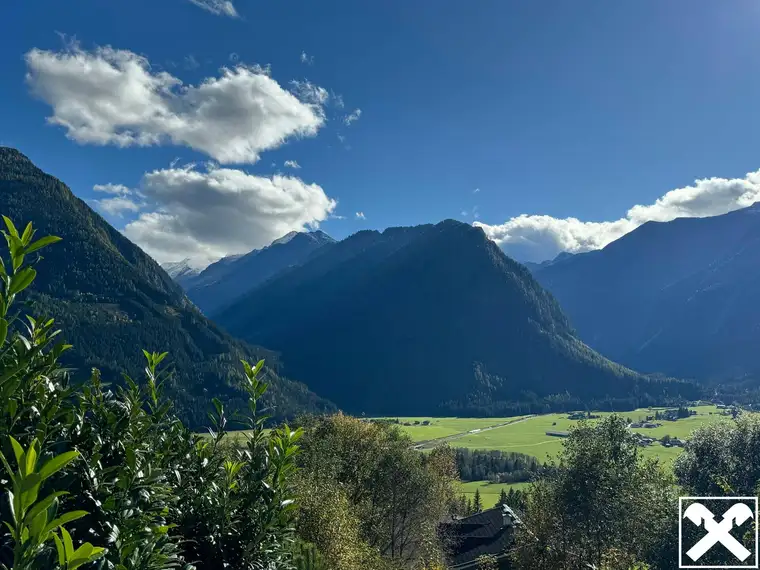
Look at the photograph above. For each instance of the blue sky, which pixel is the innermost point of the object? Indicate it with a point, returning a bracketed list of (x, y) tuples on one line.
[(546, 122)]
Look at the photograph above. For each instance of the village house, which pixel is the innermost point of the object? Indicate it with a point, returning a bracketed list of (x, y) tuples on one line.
[(489, 532)]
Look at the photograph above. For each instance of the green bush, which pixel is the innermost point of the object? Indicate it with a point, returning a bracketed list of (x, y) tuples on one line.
[(124, 484)]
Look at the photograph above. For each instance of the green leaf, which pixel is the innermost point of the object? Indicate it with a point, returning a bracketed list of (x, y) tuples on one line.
[(3, 331), (31, 458), (44, 504), (84, 554), (68, 545), (11, 228), (57, 463), (27, 235), (64, 519), (61, 551), (17, 250), (19, 452), (40, 243), (21, 280)]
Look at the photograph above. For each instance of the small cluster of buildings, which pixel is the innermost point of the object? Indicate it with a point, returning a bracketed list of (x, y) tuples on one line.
[(645, 424)]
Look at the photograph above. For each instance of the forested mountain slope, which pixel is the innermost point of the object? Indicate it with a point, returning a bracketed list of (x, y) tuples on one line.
[(680, 297), (113, 300), (429, 319)]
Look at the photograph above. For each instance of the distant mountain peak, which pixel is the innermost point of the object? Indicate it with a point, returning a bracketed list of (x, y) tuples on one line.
[(180, 269), (285, 239), (316, 235)]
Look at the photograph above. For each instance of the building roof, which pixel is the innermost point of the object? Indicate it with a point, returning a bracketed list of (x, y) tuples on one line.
[(487, 532)]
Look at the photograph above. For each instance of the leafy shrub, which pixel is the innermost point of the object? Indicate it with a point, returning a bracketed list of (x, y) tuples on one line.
[(124, 484)]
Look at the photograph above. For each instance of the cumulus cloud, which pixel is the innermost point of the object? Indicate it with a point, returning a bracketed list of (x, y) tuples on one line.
[(360, 216), (352, 117), (536, 237), (112, 188), (117, 205), (217, 7), (204, 214), (123, 199), (292, 164), (110, 96)]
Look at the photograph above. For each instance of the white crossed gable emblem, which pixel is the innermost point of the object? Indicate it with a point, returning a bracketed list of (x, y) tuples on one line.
[(718, 532)]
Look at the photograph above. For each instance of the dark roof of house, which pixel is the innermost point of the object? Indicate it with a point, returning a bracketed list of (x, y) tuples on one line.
[(479, 534)]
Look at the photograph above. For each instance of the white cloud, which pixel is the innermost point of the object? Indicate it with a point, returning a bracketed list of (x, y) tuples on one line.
[(111, 188), (110, 96), (352, 117), (306, 58), (360, 216), (218, 7), (206, 214), (536, 238), (476, 190), (117, 205), (310, 93), (292, 164), (121, 201)]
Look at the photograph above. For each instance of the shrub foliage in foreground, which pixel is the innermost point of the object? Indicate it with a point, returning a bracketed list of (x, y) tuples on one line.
[(108, 477)]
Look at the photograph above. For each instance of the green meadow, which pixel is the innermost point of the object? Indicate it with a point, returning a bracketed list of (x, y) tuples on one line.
[(446, 427), (489, 492), (529, 436)]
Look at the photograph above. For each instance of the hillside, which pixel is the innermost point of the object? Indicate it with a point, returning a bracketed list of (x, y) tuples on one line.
[(679, 297), (113, 300), (223, 282), (430, 319)]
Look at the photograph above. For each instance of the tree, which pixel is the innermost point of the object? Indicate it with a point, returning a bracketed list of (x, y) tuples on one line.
[(502, 498), (722, 459), (477, 504), (598, 496), (395, 495)]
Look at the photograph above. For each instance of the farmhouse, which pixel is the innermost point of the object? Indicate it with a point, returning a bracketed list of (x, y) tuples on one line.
[(489, 532)]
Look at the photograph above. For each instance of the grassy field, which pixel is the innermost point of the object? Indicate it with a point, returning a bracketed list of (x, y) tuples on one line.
[(445, 427), (489, 492), (530, 437)]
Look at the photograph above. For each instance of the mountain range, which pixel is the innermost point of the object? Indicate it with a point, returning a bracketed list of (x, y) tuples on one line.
[(428, 320), (112, 300), (679, 297), (224, 281)]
